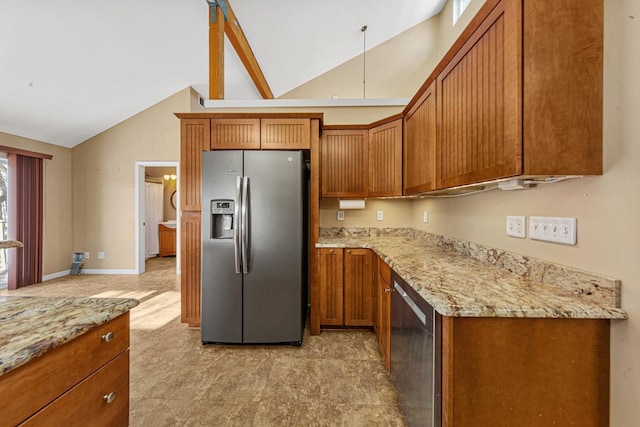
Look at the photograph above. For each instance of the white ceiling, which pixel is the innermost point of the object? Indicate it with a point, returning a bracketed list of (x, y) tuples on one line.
[(70, 69)]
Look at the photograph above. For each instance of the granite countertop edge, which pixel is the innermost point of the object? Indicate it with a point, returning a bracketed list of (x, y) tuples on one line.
[(479, 298), (31, 326)]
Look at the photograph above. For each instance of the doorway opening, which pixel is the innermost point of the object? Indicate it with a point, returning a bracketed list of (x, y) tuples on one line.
[(157, 212)]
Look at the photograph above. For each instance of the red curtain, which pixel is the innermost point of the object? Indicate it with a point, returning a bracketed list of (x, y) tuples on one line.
[(26, 194)]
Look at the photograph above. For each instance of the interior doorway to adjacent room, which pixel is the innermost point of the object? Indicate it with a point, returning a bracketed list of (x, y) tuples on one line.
[(157, 212)]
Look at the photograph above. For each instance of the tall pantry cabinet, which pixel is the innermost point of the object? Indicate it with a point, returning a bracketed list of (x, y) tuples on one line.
[(194, 139)]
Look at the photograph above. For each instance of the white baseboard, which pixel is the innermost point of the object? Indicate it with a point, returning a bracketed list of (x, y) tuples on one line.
[(99, 271), (55, 275)]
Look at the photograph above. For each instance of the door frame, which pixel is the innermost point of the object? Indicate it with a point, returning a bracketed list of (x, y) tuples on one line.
[(140, 192)]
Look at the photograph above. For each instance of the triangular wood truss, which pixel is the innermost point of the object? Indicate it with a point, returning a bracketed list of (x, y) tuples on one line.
[(223, 21)]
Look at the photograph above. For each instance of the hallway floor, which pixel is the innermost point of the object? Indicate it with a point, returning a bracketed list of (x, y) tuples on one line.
[(335, 379)]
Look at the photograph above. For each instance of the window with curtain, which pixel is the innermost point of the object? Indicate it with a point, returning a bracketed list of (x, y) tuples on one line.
[(25, 217)]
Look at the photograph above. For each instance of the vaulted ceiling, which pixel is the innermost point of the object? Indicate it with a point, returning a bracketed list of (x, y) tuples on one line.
[(70, 69)]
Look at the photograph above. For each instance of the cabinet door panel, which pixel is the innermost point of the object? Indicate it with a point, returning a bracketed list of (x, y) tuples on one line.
[(385, 160), (190, 270), (285, 134), (345, 160), (235, 134), (331, 287), (194, 139), (420, 145), (479, 104), (358, 287)]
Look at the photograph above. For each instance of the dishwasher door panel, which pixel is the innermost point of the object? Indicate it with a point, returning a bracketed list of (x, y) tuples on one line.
[(415, 355)]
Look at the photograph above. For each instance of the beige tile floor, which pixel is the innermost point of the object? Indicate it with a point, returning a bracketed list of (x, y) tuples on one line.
[(335, 379)]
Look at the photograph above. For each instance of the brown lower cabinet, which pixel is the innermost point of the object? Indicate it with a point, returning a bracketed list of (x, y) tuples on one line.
[(167, 240), (346, 287), (525, 372), (83, 382)]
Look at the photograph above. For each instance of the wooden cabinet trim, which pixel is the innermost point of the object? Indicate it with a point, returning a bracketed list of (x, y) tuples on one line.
[(311, 116)]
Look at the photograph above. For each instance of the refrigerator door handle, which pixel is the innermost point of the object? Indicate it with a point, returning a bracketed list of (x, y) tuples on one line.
[(245, 224), (236, 225)]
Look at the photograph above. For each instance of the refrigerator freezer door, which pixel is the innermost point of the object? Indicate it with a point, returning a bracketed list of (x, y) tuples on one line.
[(273, 285), (221, 306)]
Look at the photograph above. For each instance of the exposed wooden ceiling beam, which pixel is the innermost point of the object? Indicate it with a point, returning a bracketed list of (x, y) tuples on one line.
[(216, 53), (236, 36)]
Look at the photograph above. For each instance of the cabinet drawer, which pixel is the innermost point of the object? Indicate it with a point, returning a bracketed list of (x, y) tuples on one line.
[(100, 400), (32, 386)]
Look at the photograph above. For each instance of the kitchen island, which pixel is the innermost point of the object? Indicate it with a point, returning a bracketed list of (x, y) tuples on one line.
[(64, 360), (514, 340)]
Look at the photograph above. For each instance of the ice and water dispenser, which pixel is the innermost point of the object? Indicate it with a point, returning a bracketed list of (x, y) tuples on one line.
[(222, 219)]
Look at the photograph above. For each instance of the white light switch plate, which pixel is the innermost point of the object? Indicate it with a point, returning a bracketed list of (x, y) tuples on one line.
[(100, 255), (425, 217), (553, 229), (340, 216), (380, 215), (516, 226)]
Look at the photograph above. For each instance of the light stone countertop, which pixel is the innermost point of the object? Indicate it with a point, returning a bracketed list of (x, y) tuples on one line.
[(32, 326), (464, 279)]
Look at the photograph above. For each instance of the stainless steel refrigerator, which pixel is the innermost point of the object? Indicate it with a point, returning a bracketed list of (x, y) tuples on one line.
[(254, 277)]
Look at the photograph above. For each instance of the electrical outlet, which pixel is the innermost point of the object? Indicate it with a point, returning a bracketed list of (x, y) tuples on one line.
[(425, 217), (516, 226), (380, 215), (100, 255), (86, 255), (553, 229), (340, 216)]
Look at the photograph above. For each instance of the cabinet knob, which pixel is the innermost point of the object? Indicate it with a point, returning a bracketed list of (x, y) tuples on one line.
[(348, 251), (108, 337), (330, 251), (387, 290), (109, 398)]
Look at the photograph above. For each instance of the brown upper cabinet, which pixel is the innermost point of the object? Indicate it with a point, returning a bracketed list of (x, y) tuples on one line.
[(420, 144), (235, 134), (194, 139), (518, 94), (385, 159), (256, 134), (478, 97), (362, 160), (344, 162), (285, 134)]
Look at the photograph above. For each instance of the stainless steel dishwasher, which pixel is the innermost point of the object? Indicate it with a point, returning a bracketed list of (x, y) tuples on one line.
[(416, 357)]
